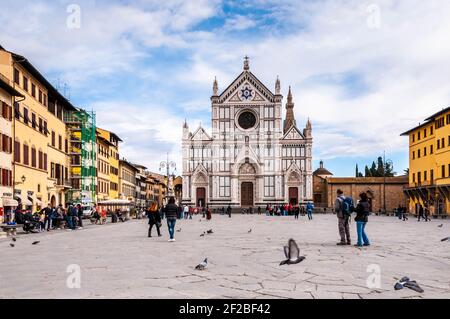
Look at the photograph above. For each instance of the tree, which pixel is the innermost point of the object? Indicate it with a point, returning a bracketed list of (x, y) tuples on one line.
[(356, 171), (373, 170), (380, 167), (368, 173)]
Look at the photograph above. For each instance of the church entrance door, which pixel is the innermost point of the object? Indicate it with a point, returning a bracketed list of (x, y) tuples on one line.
[(201, 197), (247, 194), (293, 195)]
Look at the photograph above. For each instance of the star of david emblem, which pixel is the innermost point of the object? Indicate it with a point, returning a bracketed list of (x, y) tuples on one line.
[(247, 93)]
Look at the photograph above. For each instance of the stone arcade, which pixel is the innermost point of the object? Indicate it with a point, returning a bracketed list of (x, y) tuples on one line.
[(251, 158)]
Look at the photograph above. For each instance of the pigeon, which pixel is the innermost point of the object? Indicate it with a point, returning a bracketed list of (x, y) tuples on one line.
[(210, 231), (14, 239), (202, 265), (446, 239), (406, 282), (441, 225), (12, 245), (36, 242), (179, 230), (202, 235), (249, 231), (292, 253)]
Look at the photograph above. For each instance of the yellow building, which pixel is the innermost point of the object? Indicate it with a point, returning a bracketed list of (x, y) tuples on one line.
[(429, 164), (127, 180), (7, 203), (103, 146), (40, 138), (113, 150)]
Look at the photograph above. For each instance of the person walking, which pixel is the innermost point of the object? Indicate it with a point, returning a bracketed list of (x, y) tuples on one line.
[(80, 216), (361, 219), (229, 211), (154, 219), (343, 218), (208, 214), (171, 211), (296, 211), (309, 210), (427, 212), (420, 215), (404, 214)]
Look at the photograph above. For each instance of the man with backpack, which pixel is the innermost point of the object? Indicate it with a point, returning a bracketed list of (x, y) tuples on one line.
[(343, 206)]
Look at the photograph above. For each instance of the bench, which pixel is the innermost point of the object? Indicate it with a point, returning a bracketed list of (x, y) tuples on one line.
[(10, 230)]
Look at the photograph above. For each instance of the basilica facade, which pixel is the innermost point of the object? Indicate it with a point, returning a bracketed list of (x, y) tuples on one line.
[(252, 157)]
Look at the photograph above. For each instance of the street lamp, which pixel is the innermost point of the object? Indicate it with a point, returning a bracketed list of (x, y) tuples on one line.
[(170, 167), (385, 164), (23, 179)]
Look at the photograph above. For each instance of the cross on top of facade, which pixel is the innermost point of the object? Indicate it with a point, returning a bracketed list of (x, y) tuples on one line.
[(246, 63)]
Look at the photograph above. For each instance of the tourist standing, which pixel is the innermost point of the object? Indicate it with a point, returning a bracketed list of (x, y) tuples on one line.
[(309, 210), (362, 217), (154, 219), (427, 212), (171, 211), (343, 218), (48, 217), (296, 211), (186, 211)]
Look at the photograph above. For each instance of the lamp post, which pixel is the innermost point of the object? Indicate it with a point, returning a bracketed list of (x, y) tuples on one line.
[(170, 166), (385, 163)]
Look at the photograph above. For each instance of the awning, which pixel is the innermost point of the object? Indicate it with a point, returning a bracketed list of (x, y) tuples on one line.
[(23, 200), (35, 200), (8, 202)]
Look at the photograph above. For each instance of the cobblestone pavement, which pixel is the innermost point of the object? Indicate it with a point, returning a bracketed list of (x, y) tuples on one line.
[(119, 261)]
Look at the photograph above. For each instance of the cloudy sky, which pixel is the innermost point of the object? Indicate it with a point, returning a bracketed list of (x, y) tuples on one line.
[(363, 71)]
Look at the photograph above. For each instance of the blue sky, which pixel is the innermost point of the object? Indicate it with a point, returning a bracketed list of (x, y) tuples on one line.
[(364, 72)]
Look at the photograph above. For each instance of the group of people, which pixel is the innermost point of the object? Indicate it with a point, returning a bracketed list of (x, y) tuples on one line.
[(289, 210), (50, 218), (344, 207), (423, 212), (155, 215)]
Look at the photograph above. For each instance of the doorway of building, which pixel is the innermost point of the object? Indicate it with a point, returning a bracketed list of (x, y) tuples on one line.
[(247, 194), (53, 201), (201, 197), (293, 195)]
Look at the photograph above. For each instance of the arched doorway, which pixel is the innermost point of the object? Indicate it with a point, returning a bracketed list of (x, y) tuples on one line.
[(201, 197), (53, 201), (247, 180)]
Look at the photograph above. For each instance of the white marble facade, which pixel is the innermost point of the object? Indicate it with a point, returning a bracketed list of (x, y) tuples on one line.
[(251, 158)]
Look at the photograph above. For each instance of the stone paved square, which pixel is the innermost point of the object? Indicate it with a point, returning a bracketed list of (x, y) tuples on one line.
[(119, 261)]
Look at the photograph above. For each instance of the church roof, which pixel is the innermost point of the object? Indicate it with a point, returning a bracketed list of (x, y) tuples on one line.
[(246, 75), (322, 171)]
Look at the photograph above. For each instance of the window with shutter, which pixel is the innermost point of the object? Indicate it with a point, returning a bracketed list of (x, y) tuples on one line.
[(17, 151)]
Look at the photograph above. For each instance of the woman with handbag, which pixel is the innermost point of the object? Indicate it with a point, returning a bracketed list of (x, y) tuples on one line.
[(154, 219), (362, 217)]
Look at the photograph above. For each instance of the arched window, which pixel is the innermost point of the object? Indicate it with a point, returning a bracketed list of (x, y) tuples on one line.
[(26, 154)]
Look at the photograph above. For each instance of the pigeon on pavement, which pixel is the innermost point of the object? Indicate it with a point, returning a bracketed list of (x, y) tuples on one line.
[(406, 282), (446, 239), (202, 265), (210, 231), (12, 245), (36, 242), (202, 235), (179, 230), (250, 231), (441, 225), (292, 253), (14, 239)]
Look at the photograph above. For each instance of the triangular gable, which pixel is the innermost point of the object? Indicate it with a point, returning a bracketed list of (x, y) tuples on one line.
[(293, 170), (200, 174), (200, 135), (293, 134), (247, 77)]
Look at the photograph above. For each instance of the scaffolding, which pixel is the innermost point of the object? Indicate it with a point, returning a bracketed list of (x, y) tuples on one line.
[(82, 129)]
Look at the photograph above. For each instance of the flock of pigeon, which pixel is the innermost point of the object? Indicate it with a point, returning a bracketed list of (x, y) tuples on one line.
[(14, 239)]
